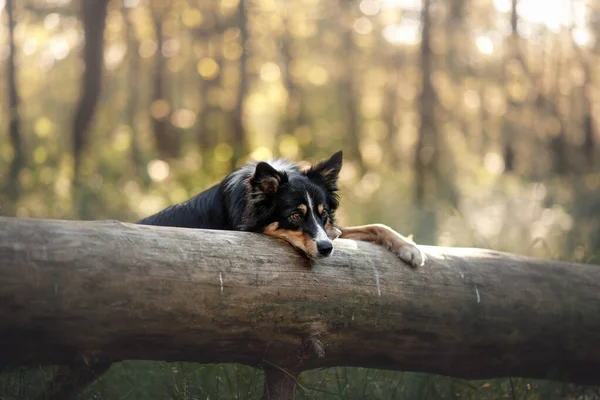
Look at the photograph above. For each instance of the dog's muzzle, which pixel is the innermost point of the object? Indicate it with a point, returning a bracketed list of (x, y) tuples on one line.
[(324, 247)]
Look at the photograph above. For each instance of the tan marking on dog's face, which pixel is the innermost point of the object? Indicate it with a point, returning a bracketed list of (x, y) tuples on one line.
[(271, 228), (302, 208), (298, 239), (320, 209)]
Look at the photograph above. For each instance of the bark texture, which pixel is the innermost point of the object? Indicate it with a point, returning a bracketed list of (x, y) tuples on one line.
[(99, 292)]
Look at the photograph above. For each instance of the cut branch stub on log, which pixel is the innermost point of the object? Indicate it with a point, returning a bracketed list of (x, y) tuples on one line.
[(111, 291)]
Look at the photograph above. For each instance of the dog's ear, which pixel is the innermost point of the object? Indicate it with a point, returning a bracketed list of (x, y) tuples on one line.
[(266, 178), (327, 171)]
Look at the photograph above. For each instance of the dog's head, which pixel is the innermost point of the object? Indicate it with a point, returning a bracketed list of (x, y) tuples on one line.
[(298, 205)]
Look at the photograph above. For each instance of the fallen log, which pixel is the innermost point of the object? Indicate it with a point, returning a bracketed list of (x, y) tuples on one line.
[(106, 291)]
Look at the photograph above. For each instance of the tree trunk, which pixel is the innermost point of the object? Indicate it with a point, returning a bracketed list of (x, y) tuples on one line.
[(510, 128), (17, 162), (390, 107), (108, 291), (133, 78), (203, 133), (589, 142), (239, 131), (348, 93), (167, 139), (94, 20), (558, 143), (426, 151), (293, 116)]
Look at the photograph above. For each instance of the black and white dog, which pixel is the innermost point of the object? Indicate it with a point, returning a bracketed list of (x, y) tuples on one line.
[(280, 199)]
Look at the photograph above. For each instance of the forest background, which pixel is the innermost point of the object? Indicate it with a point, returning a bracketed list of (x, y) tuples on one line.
[(463, 122)]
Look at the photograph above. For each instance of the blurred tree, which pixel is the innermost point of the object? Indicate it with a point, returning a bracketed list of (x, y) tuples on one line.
[(238, 139), (293, 116), (93, 17), (17, 162), (389, 113), (557, 128), (348, 93), (205, 136), (589, 142), (512, 124), (168, 140), (133, 94), (427, 149), (495, 86), (209, 39), (426, 172)]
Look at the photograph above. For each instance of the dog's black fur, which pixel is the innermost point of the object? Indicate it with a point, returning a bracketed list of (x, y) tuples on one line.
[(280, 199), (275, 197)]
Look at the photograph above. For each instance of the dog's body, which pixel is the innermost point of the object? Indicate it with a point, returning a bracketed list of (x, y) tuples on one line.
[(278, 198)]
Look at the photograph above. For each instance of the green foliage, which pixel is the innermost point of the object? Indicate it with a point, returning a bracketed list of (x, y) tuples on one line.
[(133, 380)]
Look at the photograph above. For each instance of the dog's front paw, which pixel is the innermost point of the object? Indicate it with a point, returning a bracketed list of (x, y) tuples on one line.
[(410, 254)]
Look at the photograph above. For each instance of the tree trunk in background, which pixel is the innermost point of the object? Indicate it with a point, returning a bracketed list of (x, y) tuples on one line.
[(455, 28), (211, 115), (17, 162), (133, 75), (589, 142), (558, 142), (426, 154), (94, 21), (426, 151), (293, 116), (167, 139), (510, 123), (239, 143), (348, 95), (203, 132), (390, 108)]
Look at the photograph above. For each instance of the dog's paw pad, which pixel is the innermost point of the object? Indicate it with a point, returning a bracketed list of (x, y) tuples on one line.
[(411, 255)]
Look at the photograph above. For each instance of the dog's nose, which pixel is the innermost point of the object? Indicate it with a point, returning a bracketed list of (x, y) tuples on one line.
[(325, 248)]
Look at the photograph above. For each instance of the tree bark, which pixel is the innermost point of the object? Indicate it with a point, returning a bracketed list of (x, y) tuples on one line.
[(108, 291), (17, 162)]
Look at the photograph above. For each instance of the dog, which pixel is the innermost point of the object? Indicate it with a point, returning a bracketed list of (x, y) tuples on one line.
[(281, 199)]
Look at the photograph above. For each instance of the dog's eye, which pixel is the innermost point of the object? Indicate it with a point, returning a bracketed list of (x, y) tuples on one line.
[(325, 214), (296, 217)]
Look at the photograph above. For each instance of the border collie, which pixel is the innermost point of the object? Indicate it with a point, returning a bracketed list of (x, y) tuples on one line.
[(282, 199)]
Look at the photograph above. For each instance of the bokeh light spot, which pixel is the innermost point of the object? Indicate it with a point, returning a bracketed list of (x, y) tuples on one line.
[(158, 170), (208, 68)]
